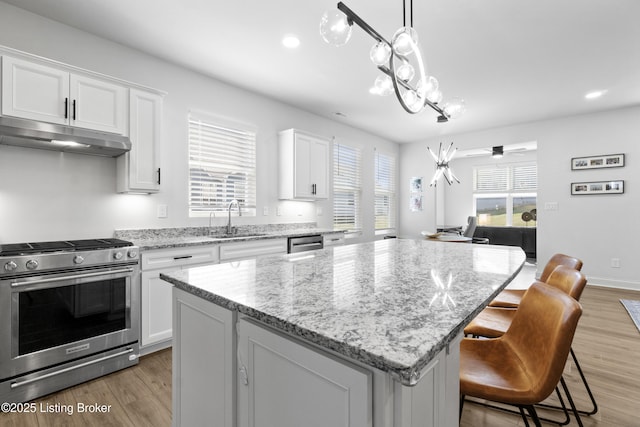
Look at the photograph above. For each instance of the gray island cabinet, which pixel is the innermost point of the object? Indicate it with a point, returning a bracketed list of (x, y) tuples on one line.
[(356, 335)]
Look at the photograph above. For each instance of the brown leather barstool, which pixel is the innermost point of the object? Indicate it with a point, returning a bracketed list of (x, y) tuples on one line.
[(523, 366), (493, 322), (510, 298)]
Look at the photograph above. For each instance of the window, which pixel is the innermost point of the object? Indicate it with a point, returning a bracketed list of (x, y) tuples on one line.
[(506, 195), (222, 166), (385, 192), (346, 187)]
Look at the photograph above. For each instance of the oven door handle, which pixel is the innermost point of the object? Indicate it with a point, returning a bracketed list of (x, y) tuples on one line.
[(71, 277)]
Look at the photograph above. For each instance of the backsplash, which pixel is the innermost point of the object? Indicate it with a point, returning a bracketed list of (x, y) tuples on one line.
[(151, 233)]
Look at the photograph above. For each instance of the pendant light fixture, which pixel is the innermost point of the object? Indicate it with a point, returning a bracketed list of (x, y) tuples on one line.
[(442, 165), (400, 61)]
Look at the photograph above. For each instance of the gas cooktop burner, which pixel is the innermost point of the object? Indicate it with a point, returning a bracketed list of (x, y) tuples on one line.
[(63, 245)]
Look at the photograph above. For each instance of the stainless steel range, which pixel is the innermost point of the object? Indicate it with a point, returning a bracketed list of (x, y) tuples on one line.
[(68, 313)]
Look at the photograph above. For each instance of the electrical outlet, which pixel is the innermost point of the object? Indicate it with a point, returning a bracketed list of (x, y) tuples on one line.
[(319, 211), (162, 211), (279, 211), (615, 262), (265, 210)]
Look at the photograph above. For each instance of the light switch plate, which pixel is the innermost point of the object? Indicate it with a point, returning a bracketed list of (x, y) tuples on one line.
[(162, 211), (551, 206)]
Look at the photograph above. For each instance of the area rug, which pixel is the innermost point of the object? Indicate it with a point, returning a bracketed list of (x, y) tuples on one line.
[(633, 308)]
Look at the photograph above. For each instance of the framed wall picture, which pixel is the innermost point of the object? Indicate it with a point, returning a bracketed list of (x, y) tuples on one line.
[(597, 187), (597, 162), (415, 202), (415, 184)]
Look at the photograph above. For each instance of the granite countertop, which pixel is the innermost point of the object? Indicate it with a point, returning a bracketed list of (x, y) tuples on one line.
[(196, 236), (391, 304)]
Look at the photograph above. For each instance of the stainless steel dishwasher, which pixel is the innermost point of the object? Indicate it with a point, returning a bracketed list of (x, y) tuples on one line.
[(304, 243)]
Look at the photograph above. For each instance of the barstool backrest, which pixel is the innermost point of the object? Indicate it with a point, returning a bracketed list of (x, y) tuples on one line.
[(541, 334), (559, 259), (568, 280)]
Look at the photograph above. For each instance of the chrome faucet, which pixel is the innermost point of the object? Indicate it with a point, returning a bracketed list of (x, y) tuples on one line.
[(229, 227)]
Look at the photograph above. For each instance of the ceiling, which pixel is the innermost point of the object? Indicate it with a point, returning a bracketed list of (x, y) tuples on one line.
[(512, 61)]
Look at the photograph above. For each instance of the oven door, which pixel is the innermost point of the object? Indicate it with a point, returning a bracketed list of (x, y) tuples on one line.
[(56, 318)]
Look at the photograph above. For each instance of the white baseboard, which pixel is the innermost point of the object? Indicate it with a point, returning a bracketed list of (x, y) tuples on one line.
[(613, 283)]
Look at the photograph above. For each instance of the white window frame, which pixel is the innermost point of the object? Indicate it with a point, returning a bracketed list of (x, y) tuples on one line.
[(353, 185), (389, 193), (509, 193), (211, 140)]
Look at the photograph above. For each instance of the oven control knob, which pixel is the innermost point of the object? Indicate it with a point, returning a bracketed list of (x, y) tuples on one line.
[(132, 254), (32, 264), (117, 255), (10, 266), (78, 259)]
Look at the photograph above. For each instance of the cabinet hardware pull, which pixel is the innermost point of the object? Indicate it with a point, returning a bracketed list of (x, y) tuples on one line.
[(313, 189), (66, 108), (183, 257), (74, 109), (158, 176)]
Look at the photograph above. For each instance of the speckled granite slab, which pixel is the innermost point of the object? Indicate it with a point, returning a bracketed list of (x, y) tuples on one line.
[(164, 238), (392, 304)]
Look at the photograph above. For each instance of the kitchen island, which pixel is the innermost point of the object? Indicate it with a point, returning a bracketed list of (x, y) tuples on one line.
[(358, 335)]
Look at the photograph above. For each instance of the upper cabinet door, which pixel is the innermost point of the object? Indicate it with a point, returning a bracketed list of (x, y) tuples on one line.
[(34, 91), (98, 105), (139, 169), (304, 165)]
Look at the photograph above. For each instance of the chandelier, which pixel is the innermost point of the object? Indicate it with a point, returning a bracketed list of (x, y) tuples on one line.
[(442, 165), (398, 61)]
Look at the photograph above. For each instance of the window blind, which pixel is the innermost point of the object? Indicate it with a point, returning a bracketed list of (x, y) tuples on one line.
[(513, 177), (346, 187), (525, 177), (222, 167), (385, 191)]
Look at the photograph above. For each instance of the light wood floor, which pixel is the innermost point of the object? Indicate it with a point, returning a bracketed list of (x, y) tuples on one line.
[(607, 345)]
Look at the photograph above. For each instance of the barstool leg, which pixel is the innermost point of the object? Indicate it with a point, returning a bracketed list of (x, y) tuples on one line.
[(586, 385), (571, 403)]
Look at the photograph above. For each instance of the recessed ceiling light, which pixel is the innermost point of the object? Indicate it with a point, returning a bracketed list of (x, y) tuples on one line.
[(595, 94), (291, 41)]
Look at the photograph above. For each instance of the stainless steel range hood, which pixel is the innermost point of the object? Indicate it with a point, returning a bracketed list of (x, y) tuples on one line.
[(48, 136)]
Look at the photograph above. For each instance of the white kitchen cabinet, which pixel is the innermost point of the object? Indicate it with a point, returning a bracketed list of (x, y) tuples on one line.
[(250, 249), (287, 384), (304, 165), (31, 90), (139, 169), (204, 363), (155, 294)]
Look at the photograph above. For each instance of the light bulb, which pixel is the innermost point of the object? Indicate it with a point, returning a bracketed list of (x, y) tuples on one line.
[(412, 100), (426, 88), (404, 41), (455, 107), (335, 28), (380, 53), (405, 72), (435, 96), (383, 85)]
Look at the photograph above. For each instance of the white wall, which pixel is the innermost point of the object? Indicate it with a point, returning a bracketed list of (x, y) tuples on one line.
[(594, 228), (49, 195)]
